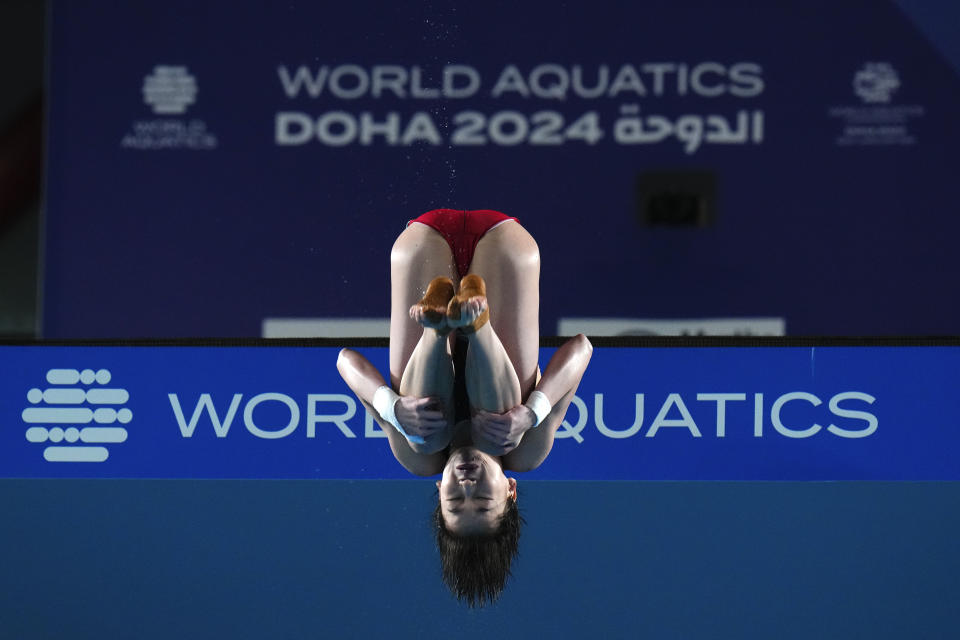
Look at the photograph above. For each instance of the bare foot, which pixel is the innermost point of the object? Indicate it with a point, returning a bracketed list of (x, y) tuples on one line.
[(431, 311), (468, 310), (427, 318)]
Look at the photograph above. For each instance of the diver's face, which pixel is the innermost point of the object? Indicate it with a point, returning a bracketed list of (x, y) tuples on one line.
[(474, 492)]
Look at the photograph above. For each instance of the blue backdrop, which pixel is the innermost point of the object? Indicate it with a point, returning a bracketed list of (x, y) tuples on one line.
[(198, 184)]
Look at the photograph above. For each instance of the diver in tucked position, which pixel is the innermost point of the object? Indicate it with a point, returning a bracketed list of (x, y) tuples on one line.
[(471, 416)]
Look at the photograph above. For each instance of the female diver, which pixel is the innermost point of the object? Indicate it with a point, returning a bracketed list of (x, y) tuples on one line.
[(472, 416)]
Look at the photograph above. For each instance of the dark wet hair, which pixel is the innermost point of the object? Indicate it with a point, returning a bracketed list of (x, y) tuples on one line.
[(476, 568)]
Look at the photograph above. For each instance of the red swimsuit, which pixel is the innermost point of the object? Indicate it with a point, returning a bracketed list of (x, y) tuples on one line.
[(462, 230)]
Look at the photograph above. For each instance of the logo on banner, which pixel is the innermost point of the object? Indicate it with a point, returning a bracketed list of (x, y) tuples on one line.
[(877, 119), (169, 90), (77, 415), (876, 82), (572, 104)]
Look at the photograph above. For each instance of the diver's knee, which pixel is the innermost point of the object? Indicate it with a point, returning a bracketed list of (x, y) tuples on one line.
[(401, 255), (430, 445), (344, 358), (525, 253), (583, 342)]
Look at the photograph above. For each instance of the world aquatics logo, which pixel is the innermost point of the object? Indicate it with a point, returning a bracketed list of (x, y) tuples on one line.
[(169, 90), (59, 415)]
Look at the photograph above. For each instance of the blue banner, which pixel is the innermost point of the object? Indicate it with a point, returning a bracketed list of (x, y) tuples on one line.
[(680, 413)]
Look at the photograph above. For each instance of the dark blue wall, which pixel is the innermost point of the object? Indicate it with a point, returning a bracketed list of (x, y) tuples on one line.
[(836, 238)]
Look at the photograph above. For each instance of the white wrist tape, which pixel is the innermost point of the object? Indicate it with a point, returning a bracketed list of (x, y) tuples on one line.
[(540, 405), (385, 402)]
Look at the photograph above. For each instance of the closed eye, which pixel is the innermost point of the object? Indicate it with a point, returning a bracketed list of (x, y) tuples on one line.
[(458, 511)]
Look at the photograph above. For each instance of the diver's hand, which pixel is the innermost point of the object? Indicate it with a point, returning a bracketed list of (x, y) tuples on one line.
[(420, 416), (503, 430)]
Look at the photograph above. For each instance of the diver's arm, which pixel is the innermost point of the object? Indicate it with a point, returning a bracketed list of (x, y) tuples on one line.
[(364, 379), (559, 383)]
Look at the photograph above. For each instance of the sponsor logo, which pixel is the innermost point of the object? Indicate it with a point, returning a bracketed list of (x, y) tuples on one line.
[(76, 413), (876, 82), (876, 119)]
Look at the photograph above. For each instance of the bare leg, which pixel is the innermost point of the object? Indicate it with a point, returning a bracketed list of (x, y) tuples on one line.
[(508, 259), (419, 255), (492, 383), (429, 371), (559, 383), (420, 360)]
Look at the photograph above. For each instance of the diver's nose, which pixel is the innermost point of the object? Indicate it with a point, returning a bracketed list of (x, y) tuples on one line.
[(468, 486)]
